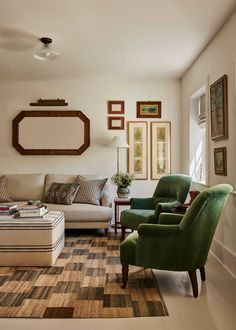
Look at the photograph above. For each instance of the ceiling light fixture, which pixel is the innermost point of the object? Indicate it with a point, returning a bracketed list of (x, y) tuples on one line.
[(46, 53)]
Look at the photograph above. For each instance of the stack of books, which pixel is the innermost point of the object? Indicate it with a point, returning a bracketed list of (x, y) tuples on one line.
[(8, 211), (32, 210)]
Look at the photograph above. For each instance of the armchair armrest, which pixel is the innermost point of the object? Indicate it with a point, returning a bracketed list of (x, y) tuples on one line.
[(170, 219), (142, 203), (150, 230), (166, 206)]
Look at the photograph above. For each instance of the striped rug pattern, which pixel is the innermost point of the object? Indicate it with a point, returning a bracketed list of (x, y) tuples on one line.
[(85, 282)]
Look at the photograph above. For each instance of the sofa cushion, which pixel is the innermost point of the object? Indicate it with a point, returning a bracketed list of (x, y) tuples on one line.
[(63, 178), (4, 196), (90, 191), (23, 187), (83, 212), (61, 193)]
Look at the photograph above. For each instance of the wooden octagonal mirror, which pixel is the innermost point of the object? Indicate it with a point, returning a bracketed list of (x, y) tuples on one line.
[(51, 132)]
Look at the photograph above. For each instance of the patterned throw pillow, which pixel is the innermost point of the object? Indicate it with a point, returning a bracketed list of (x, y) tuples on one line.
[(61, 193), (90, 191), (4, 196)]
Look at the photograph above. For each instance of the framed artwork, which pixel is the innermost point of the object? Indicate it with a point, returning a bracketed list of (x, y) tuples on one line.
[(116, 107), (137, 152), (116, 123), (147, 109), (219, 109), (220, 161), (160, 149)]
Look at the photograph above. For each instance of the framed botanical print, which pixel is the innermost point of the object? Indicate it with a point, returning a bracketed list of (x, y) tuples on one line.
[(149, 109), (160, 149), (116, 107), (137, 152), (116, 123), (220, 160), (219, 110)]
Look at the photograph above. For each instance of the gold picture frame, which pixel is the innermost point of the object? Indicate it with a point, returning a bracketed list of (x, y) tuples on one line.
[(148, 109), (219, 109), (138, 151), (160, 149)]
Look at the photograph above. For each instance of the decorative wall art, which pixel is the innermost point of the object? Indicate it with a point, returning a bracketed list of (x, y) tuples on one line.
[(116, 123), (116, 107), (160, 149), (137, 153), (220, 161), (219, 110), (149, 109)]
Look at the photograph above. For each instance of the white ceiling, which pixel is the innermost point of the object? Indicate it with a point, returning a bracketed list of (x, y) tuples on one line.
[(145, 39)]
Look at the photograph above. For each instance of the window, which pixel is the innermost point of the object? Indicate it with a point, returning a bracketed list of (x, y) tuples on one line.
[(197, 136)]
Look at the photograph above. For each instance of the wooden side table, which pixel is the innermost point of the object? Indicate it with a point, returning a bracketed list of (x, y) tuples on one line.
[(119, 202)]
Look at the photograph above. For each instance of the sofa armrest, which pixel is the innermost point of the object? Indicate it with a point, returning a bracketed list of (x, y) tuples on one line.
[(106, 199)]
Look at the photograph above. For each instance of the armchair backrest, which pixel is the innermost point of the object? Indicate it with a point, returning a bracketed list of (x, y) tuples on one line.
[(200, 221), (174, 186)]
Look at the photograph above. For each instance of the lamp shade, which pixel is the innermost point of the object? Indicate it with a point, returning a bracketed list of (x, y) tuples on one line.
[(118, 142)]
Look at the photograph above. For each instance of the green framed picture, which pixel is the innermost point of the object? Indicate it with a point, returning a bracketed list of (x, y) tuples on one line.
[(219, 109), (160, 149), (149, 109), (137, 152)]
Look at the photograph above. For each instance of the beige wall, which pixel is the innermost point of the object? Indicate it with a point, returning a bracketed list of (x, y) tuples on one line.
[(89, 96), (217, 59)]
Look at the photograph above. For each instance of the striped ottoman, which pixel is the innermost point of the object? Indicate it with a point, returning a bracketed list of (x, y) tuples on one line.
[(32, 242)]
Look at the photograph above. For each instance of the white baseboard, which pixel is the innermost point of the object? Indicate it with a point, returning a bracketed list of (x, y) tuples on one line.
[(226, 257)]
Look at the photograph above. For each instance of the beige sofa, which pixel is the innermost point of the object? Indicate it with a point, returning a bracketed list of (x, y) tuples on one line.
[(23, 187)]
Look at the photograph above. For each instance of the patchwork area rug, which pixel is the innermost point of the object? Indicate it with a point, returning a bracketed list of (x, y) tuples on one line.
[(85, 282)]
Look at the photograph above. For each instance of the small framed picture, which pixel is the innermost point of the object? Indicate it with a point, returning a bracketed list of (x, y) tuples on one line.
[(149, 109), (116, 123), (116, 107), (219, 109), (220, 161)]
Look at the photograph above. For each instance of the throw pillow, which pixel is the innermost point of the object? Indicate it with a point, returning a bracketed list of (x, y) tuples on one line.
[(61, 193), (90, 191), (4, 196)]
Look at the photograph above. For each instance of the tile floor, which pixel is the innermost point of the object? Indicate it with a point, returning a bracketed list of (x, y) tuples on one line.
[(214, 309)]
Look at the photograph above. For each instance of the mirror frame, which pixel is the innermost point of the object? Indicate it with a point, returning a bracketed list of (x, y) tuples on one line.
[(53, 113)]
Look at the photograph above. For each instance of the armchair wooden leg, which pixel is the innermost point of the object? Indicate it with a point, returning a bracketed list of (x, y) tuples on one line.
[(122, 233), (125, 272), (203, 274), (193, 279)]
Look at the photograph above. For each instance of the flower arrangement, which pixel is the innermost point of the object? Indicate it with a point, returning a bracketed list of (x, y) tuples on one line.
[(122, 180)]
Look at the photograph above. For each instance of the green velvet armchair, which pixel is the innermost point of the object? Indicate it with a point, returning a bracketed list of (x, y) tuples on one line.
[(177, 242), (170, 192)]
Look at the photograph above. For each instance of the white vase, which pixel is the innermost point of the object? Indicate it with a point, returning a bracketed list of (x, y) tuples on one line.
[(123, 192)]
